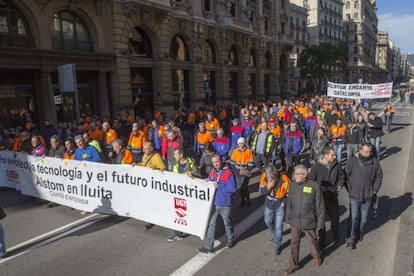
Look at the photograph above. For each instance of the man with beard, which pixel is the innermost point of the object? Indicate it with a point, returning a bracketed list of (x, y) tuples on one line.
[(363, 178)]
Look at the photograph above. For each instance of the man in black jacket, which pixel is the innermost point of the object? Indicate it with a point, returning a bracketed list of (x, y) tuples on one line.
[(329, 175), (375, 132), (363, 178), (305, 212), (352, 138)]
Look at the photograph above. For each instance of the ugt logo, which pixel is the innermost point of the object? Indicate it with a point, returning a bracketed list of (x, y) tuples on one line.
[(180, 207)]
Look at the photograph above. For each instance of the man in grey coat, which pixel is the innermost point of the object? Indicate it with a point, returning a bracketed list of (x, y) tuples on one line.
[(363, 174), (305, 212)]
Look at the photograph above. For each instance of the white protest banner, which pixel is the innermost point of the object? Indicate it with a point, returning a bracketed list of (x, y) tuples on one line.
[(167, 199), (360, 90)]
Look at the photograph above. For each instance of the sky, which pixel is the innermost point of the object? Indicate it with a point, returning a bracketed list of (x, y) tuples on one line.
[(397, 18)]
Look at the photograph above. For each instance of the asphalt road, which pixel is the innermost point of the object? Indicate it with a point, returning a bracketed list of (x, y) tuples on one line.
[(61, 241)]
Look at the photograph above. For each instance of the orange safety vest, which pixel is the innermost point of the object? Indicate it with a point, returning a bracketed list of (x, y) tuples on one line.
[(95, 134), (110, 135), (212, 125), (128, 157), (137, 141), (283, 188), (241, 157), (191, 118), (338, 131), (277, 130), (67, 156), (204, 137)]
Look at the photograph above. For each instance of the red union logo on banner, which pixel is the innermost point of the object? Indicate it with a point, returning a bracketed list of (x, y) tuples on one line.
[(12, 175), (180, 206), (180, 203)]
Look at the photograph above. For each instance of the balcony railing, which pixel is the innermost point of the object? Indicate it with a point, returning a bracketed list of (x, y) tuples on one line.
[(8, 40)]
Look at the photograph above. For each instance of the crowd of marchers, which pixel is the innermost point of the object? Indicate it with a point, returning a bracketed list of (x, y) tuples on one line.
[(305, 151)]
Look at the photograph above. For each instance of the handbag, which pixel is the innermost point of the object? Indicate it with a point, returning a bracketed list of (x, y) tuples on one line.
[(2, 213)]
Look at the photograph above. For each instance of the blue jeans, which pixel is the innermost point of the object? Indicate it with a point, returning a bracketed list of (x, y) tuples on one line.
[(338, 151), (376, 142), (359, 216), (274, 221), (388, 122), (351, 150), (2, 244), (225, 213)]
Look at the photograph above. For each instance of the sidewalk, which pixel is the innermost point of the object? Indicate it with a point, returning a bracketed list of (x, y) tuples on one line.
[(404, 257)]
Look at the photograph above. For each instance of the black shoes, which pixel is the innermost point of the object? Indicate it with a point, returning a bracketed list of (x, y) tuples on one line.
[(230, 244), (50, 205), (205, 250), (277, 251), (5, 255), (359, 236), (148, 226), (350, 245)]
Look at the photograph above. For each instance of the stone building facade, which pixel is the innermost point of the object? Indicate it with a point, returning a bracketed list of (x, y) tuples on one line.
[(37, 36), (360, 32), (298, 30), (182, 54), (140, 55)]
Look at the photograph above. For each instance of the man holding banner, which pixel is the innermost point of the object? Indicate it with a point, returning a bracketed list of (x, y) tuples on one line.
[(223, 180)]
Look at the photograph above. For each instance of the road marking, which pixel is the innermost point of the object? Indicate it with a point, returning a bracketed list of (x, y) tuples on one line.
[(49, 234), (201, 259), (53, 238)]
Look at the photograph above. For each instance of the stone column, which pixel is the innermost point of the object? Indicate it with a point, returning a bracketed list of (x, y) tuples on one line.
[(44, 98), (103, 95)]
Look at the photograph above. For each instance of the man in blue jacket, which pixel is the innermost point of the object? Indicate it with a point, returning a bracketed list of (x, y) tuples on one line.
[(224, 181), (85, 152)]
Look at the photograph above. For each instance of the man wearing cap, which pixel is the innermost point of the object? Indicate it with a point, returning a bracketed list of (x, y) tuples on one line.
[(241, 161)]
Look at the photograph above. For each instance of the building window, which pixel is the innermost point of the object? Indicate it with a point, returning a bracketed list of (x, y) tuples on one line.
[(207, 5), (178, 49), (268, 60), (252, 59), (69, 33), (209, 55), (14, 29), (266, 24), (348, 16), (140, 43), (356, 15), (348, 5), (233, 57), (356, 5)]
